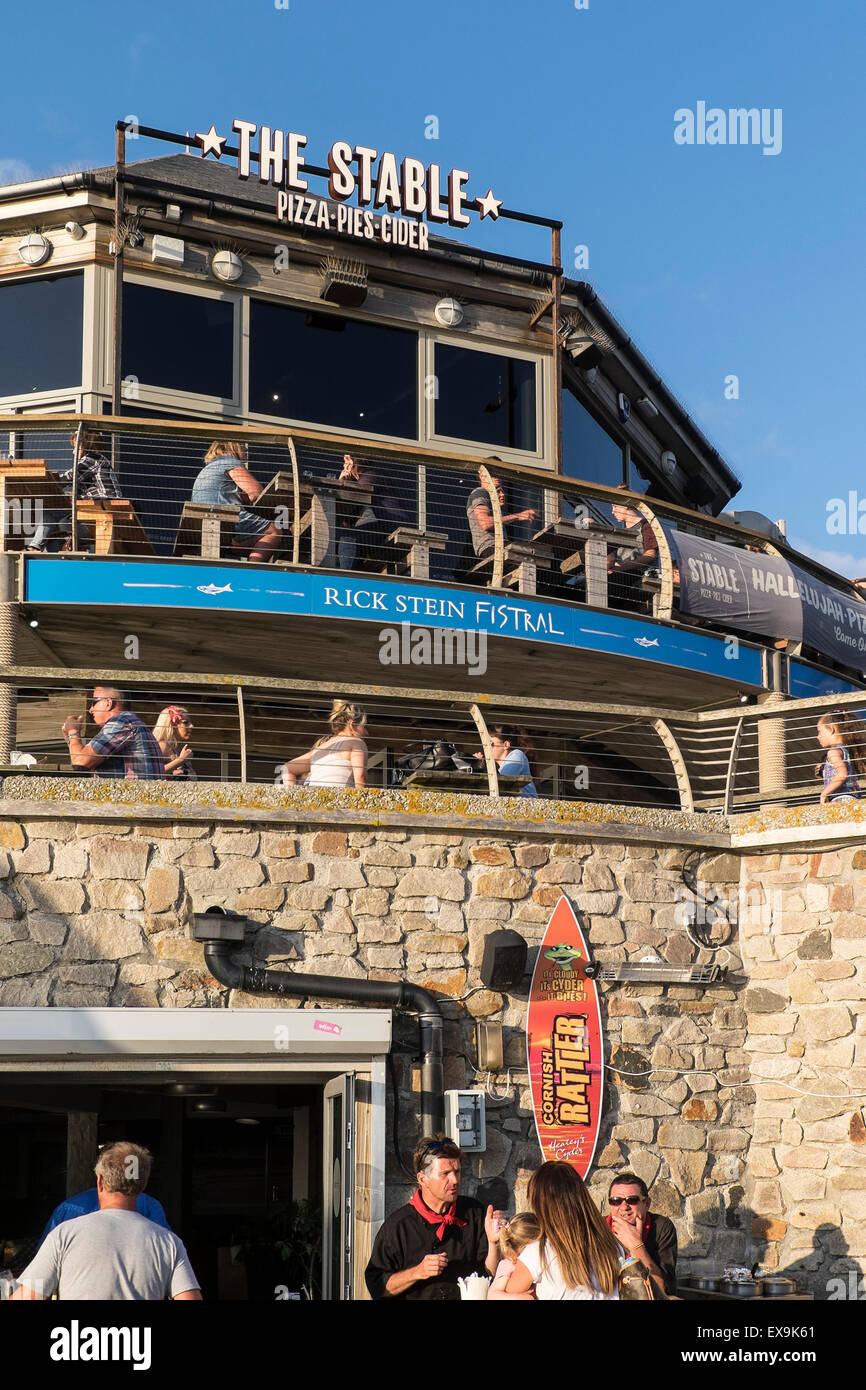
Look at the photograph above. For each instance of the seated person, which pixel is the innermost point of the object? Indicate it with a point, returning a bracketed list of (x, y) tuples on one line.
[(95, 478), (122, 747), (644, 1236), (626, 566), (226, 481), (364, 536), (511, 759), (479, 514)]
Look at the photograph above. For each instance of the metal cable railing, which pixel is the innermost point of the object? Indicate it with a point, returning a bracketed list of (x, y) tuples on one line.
[(294, 499)]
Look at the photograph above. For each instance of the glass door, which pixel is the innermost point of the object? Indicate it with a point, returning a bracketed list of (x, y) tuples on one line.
[(338, 1172)]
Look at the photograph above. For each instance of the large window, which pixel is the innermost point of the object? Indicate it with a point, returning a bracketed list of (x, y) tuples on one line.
[(588, 451), (183, 342), (485, 397), (331, 370), (40, 334)]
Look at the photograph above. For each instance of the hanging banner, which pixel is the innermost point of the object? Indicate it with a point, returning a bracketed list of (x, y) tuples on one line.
[(564, 1044), (753, 592)]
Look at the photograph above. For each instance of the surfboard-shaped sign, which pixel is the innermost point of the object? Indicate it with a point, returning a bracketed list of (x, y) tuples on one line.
[(564, 1044)]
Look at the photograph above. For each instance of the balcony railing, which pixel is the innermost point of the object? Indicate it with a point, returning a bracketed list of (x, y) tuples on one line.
[(402, 511), (245, 728)]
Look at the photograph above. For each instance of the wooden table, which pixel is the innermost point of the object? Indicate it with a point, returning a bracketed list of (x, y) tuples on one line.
[(25, 483), (587, 547), (318, 509), (430, 780)]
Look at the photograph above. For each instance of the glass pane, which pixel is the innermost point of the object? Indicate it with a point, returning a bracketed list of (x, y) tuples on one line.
[(485, 397), (588, 451), (40, 334), (330, 370), (180, 341)]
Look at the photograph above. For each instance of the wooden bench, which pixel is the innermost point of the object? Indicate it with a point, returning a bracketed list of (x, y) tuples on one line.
[(29, 494), (200, 530), (115, 525), (418, 545), (520, 568)]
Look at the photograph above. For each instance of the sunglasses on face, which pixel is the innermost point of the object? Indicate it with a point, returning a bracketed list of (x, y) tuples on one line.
[(622, 1201)]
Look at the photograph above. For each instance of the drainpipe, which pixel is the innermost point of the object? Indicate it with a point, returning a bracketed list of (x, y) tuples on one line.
[(398, 994)]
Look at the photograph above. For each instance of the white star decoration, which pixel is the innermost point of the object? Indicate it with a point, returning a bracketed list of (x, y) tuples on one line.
[(211, 143), (488, 206)]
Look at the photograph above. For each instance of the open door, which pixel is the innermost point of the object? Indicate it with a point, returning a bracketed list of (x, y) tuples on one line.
[(338, 1174)]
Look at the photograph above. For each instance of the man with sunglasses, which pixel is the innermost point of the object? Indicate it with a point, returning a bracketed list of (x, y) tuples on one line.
[(651, 1239), (122, 747), (423, 1248)]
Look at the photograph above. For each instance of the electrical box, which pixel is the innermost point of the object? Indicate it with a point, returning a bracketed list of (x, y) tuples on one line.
[(167, 250), (464, 1120)]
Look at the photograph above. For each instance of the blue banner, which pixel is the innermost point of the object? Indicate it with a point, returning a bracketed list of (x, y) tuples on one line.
[(302, 593)]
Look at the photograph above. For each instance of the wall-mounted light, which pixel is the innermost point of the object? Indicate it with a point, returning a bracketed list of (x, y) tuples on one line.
[(344, 282), (173, 212), (227, 265), (449, 313), (34, 248), (623, 406), (488, 1045), (75, 230), (648, 409), (668, 463)]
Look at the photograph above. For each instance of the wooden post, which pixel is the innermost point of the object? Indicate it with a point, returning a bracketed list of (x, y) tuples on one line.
[(81, 1154), (487, 746), (296, 501), (772, 748), (8, 654)]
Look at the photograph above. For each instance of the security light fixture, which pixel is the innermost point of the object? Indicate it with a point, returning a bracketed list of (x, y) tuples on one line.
[(648, 409), (488, 1045), (227, 265), (34, 248), (668, 462), (167, 250), (657, 972), (623, 406), (34, 622), (449, 313), (344, 282), (173, 212), (75, 230)]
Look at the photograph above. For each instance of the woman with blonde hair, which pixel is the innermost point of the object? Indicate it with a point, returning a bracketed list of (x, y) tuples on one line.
[(226, 481), (842, 736), (576, 1256), (338, 758), (171, 731)]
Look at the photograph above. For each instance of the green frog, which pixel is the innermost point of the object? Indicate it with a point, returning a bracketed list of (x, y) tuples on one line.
[(564, 955)]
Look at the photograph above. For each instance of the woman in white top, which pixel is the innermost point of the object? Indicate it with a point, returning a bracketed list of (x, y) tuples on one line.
[(576, 1256), (338, 759)]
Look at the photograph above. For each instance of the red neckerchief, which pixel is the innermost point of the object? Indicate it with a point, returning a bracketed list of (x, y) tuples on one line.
[(646, 1226), (436, 1218)]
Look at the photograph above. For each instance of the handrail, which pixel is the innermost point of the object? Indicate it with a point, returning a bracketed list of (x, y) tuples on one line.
[(411, 451)]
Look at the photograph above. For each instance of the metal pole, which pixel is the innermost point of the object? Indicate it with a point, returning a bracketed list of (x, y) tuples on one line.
[(119, 209), (8, 653), (556, 258)]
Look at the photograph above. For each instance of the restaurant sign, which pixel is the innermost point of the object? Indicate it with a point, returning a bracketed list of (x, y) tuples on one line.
[(381, 185), (751, 592), (564, 1044)]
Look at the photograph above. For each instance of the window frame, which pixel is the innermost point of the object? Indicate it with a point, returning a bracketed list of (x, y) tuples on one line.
[(508, 454), (56, 395), (171, 396)]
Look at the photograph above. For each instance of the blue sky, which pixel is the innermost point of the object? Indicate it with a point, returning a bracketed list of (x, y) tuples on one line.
[(717, 259)]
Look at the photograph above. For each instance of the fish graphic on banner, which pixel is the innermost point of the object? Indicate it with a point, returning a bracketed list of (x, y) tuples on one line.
[(564, 1044)]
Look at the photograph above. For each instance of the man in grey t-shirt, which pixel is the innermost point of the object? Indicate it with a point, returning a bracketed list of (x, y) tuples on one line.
[(114, 1253)]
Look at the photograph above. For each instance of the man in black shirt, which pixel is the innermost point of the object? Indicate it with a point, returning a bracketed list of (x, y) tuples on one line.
[(424, 1247), (651, 1239)]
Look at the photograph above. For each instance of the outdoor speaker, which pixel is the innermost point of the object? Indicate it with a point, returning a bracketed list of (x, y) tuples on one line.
[(503, 964)]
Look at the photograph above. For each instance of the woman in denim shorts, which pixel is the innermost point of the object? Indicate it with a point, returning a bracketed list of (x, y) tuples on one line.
[(226, 481)]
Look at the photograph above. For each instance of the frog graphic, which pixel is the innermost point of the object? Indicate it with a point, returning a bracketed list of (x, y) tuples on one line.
[(564, 955)]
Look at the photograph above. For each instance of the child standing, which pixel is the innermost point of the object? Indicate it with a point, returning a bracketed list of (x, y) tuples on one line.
[(843, 738), (514, 1236)]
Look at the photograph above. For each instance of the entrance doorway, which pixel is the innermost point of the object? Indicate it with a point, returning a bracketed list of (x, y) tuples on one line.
[(238, 1169)]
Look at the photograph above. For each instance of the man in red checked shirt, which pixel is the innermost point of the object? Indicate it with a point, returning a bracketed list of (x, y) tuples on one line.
[(424, 1247), (649, 1238)]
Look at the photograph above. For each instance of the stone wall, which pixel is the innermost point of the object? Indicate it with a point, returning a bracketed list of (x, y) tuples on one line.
[(95, 908)]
